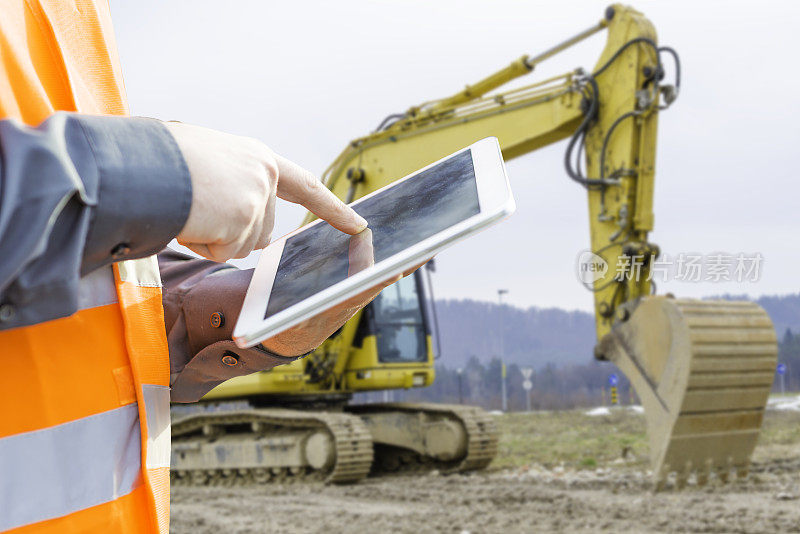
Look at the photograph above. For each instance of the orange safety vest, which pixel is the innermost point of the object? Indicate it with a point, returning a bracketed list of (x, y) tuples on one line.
[(84, 400)]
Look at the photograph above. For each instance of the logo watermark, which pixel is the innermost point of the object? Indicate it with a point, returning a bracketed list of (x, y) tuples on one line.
[(591, 268), (741, 267)]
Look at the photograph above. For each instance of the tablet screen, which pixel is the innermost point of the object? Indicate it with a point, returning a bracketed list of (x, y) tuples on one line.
[(399, 217)]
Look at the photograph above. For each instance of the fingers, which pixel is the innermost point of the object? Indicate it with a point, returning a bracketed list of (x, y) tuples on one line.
[(220, 253), (297, 185), (366, 296), (200, 250), (255, 237), (360, 254), (311, 333), (269, 223), (414, 269)]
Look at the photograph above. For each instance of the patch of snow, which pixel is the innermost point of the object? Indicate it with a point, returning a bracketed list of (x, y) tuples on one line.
[(496, 412), (600, 410), (790, 403), (636, 408)]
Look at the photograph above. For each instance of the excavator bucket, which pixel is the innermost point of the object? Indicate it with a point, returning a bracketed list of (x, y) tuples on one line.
[(703, 371)]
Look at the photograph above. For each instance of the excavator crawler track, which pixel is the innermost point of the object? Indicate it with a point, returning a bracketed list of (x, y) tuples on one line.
[(475, 442), (704, 370), (262, 445)]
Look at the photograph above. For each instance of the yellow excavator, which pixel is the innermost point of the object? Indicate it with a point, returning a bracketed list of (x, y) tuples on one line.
[(702, 369)]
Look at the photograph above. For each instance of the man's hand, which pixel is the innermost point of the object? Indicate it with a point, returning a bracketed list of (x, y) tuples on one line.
[(235, 181)]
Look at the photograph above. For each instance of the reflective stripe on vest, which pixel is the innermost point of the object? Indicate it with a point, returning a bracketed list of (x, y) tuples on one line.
[(65, 468), (104, 371), (156, 403)]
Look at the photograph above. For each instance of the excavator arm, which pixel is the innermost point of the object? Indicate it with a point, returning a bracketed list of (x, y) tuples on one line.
[(611, 114), (702, 369)]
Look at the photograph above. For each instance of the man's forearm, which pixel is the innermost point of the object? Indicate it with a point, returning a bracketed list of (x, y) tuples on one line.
[(80, 192)]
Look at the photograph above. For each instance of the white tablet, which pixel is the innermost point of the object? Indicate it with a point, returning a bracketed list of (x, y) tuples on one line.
[(410, 220)]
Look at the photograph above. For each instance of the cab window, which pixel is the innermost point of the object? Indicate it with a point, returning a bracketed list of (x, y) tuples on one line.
[(399, 325)]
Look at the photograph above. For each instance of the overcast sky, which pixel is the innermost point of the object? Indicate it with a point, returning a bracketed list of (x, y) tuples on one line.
[(306, 77)]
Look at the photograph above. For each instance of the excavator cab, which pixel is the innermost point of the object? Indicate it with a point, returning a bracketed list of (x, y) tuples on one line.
[(392, 345)]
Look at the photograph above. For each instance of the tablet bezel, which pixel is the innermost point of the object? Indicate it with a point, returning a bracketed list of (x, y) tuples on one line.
[(495, 202)]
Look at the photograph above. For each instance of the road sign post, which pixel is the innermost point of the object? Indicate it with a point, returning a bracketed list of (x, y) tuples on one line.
[(613, 380), (460, 394), (527, 372), (500, 293), (781, 370)]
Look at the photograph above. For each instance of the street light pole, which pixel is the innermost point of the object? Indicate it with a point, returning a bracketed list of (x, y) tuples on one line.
[(500, 293), (460, 395)]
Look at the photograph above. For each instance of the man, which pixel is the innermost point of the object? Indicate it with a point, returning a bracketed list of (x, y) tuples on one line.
[(92, 347)]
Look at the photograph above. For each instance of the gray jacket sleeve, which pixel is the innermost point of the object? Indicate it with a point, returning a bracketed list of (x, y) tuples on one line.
[(202, 300), (78, 193)]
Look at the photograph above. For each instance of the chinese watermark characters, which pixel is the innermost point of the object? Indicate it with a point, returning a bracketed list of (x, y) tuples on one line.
[(740, 267)]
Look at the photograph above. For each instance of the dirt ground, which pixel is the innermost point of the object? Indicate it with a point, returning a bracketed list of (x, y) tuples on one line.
[(555, 472)]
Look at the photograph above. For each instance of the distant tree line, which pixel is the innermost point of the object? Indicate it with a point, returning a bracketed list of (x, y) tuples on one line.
[(557, 344), (553, 388), (536, 337), (479, 384), (531, 336), (789, 354)]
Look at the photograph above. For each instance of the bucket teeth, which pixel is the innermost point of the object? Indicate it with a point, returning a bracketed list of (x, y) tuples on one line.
[(702, 476), (703, 370), (722, 474), (660, 478), (682, 476), (742, 471)]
